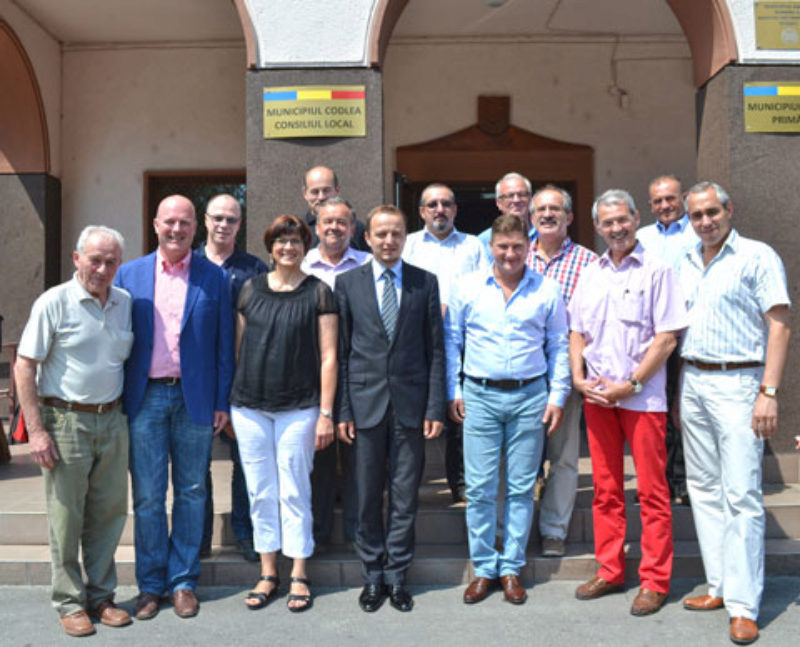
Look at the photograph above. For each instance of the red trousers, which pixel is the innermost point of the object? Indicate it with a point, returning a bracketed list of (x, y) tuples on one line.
[(608, 429)]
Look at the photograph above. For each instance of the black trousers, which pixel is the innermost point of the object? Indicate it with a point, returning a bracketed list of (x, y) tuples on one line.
[(389, 456), (454, 455), (676, 466), (324, 483)]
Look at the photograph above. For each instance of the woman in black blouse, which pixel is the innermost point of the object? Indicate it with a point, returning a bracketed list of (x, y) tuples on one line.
[(281, 404)]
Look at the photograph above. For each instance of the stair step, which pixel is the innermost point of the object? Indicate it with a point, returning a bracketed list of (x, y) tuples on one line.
[(443, 564)]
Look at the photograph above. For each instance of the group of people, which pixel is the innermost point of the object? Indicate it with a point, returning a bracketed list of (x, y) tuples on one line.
[(342, 361)]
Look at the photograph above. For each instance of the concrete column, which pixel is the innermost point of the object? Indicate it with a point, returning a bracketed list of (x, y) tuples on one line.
[(760, 171), (275, 167), (29, 246)]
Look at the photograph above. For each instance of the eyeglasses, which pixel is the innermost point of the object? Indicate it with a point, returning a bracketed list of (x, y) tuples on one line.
[(517, 195), (446, 204), (218, 220), (291, 242)]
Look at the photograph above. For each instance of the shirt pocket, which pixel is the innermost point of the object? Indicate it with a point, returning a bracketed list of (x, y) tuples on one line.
[(631, 306)]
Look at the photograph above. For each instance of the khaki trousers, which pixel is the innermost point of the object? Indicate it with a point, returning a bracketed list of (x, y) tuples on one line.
[(87, 501)]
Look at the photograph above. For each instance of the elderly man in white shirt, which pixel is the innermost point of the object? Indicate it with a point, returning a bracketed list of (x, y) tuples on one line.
[(448, 253)]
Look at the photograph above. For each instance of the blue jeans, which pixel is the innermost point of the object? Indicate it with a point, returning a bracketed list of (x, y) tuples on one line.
[(160, 431), (497, 421)]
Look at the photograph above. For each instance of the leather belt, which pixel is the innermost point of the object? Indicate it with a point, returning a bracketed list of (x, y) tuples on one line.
[(169, 381), (503, 385), (721, 366), (85, 408)]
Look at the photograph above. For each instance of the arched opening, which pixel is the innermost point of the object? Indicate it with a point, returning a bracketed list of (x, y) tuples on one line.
[(24, 146), (620, 79)]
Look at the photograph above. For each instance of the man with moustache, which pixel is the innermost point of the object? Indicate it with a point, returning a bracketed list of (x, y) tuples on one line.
[(335, 226), (512, 196), (553, 254), (77, 338), (319, 184), (734, 353), (390, 398), (668, 237), (448, 253), (624, 316), (177, 382), (223, 219), (511, 325)]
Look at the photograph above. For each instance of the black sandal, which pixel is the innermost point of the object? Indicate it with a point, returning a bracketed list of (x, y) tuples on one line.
[(263, 598), (294, 597)]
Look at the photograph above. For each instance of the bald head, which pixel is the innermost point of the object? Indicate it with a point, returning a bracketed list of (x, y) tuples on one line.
[(319, 184), (223, 220), (175, 225)]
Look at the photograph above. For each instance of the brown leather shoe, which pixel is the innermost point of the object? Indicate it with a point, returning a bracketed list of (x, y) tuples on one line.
[(111, 615), (597, 587), (703, 603), (479, 589), (647, 602), (146, 606), (185, 603), (743, 631), (513, 591), (77, 624)]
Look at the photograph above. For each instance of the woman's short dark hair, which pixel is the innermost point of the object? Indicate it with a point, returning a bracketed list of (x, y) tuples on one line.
[(287, 225)]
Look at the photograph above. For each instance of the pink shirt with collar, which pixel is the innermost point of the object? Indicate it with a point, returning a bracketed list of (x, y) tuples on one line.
[(619, 311), (169, 300)]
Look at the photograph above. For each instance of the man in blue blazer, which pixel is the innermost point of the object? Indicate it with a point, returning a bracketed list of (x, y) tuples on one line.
[(177, 381)]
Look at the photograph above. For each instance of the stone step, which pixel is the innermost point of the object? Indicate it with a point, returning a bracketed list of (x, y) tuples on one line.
[(441, 522), (434, 564)]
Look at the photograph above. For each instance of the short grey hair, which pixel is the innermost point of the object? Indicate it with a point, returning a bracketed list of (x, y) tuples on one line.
[(337, 200), (565, 196), (611, 197), (512, 176), (102, 231), (722, 194)]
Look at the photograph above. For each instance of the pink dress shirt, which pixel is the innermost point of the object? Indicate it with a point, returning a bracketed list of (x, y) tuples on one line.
[(619, 311), (169, 299)]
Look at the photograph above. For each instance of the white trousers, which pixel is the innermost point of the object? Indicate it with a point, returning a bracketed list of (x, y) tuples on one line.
[(723, 475), (563, 449), (277, 451)]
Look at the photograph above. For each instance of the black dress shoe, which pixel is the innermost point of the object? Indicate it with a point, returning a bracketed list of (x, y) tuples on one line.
[(400, 597), (372, 597)]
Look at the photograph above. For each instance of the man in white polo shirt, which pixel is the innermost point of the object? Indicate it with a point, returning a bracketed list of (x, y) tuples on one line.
[(78, 337)]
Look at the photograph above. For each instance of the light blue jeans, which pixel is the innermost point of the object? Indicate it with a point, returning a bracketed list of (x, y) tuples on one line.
[(501, 423), (160, 431)]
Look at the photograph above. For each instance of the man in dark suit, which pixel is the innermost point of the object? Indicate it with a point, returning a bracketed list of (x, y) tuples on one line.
[(177, 382), (391, 397)]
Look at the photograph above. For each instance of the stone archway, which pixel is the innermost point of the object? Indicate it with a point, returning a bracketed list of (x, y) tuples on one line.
[(707, 26), (24, 144)]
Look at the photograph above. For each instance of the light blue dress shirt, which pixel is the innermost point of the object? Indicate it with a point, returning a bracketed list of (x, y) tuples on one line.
[(668, 243), (377, 273), (518, 339)]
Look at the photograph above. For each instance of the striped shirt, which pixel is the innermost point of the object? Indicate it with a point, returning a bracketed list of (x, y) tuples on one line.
[(565, 267), (728, 298)]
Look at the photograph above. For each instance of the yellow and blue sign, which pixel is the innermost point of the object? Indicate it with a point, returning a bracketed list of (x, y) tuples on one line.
[(315, 111), (771, 107)]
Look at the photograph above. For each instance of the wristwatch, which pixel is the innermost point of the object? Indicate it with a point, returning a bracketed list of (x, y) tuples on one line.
[(327, 413), (769, 391), (637, 385)]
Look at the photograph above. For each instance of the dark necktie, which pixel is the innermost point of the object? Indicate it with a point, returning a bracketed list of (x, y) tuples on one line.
[(389, 304)]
